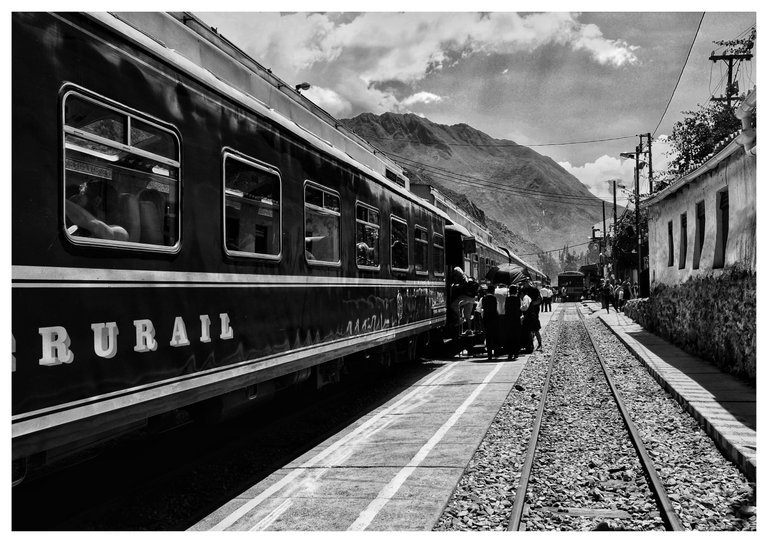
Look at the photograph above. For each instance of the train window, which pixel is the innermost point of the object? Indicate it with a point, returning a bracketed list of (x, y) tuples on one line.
[(322, 225), (399, 235), (151, 139), (251, 208), (421, 249), (367, 229), (438, 254), (121, 177)]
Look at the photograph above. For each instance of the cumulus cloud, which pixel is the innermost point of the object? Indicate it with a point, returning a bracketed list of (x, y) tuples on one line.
[(421, 97), (329, 100), (331, 49), (403, 45), (598, 176)]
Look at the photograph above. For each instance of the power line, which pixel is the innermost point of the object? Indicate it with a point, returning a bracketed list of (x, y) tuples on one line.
[(464, 177), (500, 187), (555, 250), (485, 182), (501, 145), (681, 72)]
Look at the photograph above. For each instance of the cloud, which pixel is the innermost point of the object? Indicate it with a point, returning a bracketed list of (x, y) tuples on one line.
[(329, 100), (421, 98), (616, 52), (351, 53), (379, 101), (598, 176)]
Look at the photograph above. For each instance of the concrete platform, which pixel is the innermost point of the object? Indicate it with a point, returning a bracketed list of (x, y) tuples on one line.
[(724, 406), (394, 469)]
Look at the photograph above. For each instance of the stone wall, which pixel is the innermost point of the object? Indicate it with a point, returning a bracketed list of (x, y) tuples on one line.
[(711, 316)]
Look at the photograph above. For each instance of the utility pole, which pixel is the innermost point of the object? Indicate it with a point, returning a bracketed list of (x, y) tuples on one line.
[(647, 135), (638, 149), (735, 50), (613, 244), (602, 273), (732, 89)]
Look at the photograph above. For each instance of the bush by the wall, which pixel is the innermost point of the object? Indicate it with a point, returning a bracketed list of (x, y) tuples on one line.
[(711, 316)]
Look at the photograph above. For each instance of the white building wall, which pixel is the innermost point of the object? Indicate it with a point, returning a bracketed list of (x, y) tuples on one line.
[(737, 173)]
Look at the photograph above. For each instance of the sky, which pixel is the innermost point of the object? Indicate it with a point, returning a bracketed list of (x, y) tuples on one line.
[(536, 78)]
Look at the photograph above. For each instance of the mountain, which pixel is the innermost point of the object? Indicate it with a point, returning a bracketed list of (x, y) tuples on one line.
[(528, 201)]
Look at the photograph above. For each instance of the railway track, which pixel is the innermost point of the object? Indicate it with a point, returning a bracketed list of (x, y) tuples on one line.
[(554, 494)]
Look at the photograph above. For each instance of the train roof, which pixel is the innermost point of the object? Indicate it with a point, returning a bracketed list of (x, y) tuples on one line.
[(167, 36)]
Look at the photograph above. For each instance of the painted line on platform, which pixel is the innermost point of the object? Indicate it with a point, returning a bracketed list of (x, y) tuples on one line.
[(387, 493), (251, 504)]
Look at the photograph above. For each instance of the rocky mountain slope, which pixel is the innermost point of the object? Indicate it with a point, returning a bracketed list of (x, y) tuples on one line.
[(527, 200)]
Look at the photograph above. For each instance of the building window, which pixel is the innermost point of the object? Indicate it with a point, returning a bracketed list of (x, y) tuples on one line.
[(399, 244), (421, 249), (721, 242), (121, 177), (670, 245), (367, 229), (322, 225), (438, 254), (683, 240), (251, 208), (700, 230)]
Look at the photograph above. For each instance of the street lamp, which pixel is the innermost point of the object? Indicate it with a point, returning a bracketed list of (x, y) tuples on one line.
[(638, 166)]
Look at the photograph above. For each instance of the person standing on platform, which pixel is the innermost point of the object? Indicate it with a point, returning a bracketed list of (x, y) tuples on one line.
[(488, 306), (462, 298), (606, 291), (547, 298), (514, 324), (501, 293), (620, 294), (531, 323)]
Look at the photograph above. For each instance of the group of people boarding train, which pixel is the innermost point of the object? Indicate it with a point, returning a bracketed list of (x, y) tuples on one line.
[(508, 315)]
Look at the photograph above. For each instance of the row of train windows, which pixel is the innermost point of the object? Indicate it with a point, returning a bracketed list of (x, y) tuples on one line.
[(122, 189), (489, 262)]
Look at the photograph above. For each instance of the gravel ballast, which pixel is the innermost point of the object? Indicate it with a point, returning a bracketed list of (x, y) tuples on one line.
[(586, 463)]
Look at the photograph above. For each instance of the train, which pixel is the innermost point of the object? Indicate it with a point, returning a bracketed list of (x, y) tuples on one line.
[(574, 284), (190, 233)]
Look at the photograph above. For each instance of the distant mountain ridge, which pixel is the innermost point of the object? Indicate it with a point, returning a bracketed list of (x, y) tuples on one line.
[(542, 206)]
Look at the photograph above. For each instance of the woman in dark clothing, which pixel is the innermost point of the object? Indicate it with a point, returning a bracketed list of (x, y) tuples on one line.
[(490, 322), (531, 322), (514, 325)]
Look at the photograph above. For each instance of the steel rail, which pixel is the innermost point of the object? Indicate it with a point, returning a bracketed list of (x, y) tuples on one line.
[(671, 520), (519, 503)]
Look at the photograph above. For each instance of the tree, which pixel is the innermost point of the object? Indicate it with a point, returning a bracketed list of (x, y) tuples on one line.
[(548, 265), (625, 241), (696, 136)]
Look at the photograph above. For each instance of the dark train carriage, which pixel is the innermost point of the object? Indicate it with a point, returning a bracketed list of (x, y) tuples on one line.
[(487, 257), (175, 240), (573, 282)]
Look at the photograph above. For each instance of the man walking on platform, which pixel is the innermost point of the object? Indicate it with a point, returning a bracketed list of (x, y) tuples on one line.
[(488, 306), (514, 323)]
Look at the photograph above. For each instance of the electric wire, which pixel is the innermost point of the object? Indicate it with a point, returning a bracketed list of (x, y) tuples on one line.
[(568, 247), (476, 181), (502, 145), (679, 77), (448, 174)]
